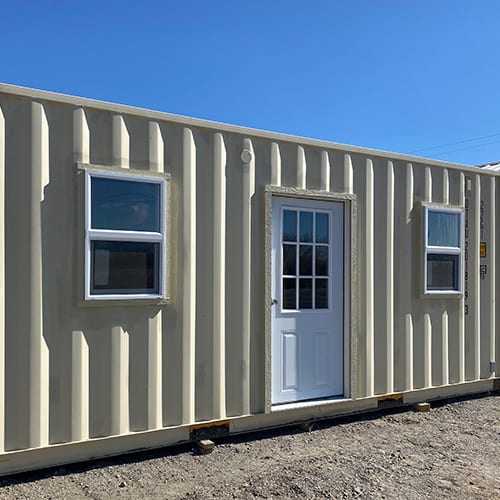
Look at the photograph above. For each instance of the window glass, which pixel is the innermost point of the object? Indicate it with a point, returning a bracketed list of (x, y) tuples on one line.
[(443, 229), (305, 260), (321, 297), (306, 226), (125, 205), (321, 260), (442, 272), (289, 259), (321, 228), (305, 293), (124, 267), (289, 293), (289, 225)]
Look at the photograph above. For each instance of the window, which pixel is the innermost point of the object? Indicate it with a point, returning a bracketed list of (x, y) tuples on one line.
[(443, 250), (306, 249), (124, 236)]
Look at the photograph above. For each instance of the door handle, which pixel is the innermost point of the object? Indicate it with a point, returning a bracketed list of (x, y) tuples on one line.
[(274, 302)]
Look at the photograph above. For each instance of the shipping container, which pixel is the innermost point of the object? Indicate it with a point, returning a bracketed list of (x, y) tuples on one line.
[(164, 278)]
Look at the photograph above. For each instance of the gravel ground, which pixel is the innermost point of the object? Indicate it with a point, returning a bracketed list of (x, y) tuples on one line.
[(453, 451)]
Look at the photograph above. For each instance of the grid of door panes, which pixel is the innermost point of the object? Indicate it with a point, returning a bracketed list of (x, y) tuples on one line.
[(305, 247)]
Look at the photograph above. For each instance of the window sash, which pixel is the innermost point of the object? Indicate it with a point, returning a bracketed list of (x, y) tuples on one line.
[(124, 204), (447, 232), (126, 262), (442, 271)]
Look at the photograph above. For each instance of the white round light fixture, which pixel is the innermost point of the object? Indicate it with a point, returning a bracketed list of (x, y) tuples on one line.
[(246, 156)]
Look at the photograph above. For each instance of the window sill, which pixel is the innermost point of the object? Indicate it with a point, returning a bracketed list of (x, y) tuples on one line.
[(441, 295), (124, 302)]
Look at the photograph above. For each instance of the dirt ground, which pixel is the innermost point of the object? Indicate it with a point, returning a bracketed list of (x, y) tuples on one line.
[(451, 452)]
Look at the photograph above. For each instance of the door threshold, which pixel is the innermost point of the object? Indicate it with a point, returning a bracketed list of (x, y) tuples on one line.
[(306, 404)]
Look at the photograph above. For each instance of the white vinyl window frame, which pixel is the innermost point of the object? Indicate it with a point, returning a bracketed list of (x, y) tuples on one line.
[(443, 250), (92, 234)]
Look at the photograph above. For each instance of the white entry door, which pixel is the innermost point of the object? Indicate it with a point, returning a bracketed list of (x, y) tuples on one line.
[(308, 299)]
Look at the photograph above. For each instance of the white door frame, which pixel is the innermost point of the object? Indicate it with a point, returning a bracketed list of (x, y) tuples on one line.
[(350, 286)]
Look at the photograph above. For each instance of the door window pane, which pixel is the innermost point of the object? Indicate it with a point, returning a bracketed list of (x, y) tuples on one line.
[(289, 259), (289, 293), (321, 261), (321, 228), (124, 267), (289, 225), (442, 272), (305, 293), (443, 229), (321, 297), (125, 205), (306, 226), (306, 260)]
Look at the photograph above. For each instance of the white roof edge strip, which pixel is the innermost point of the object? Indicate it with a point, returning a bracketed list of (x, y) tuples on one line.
[(235, 129)]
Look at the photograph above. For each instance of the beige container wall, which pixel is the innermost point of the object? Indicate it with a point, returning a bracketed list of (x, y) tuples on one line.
[(73, 371)]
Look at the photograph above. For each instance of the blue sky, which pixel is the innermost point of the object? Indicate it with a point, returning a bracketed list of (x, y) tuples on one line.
[(404, 76)]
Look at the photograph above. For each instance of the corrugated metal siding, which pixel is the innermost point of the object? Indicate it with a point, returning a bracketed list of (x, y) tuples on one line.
[(75, 371)]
